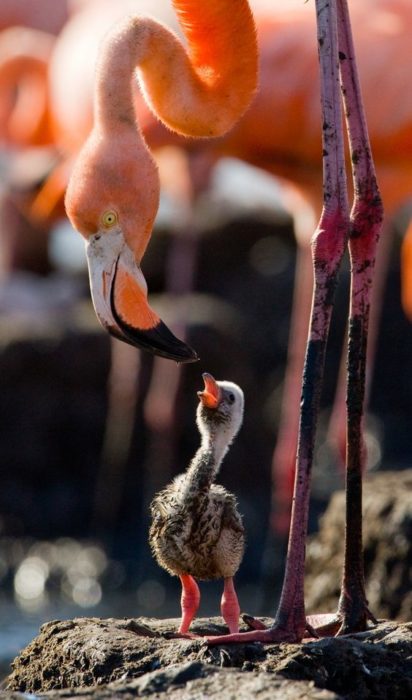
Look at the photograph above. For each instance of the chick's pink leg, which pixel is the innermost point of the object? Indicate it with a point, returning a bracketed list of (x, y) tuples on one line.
[(189, 601), (230, 606)]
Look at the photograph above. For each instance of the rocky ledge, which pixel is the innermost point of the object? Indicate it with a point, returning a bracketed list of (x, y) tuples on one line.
[(387, 544), (93, 658)]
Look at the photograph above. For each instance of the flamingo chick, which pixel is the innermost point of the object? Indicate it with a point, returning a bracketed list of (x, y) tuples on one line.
[(197, 531)]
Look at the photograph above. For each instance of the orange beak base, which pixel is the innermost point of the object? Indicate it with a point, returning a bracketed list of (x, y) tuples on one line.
[(210, 396), (148, 332)]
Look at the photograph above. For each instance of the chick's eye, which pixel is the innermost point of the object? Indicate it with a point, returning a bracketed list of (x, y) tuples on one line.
[(109, 218), (232, 398)]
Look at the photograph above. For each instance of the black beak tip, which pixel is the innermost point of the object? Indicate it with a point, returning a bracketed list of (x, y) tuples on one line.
[(190, 355), (158, 341), (173, 349)]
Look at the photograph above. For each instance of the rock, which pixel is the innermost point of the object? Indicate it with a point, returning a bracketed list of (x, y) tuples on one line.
[(89, 657), (196, 680), (387, 538)]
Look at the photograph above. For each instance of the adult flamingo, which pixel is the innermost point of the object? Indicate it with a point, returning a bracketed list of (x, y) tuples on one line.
[(337, 230), (24, 56), (27, 35), (46, 15), (215, 88)]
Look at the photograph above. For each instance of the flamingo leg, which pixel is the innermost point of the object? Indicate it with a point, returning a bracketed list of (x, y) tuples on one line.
[(189, 601), (284, 456), (337, 422), (328, 246), (230, 606), (365, 227)]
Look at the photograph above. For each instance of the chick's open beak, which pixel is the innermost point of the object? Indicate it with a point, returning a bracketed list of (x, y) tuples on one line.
[(210, 396)]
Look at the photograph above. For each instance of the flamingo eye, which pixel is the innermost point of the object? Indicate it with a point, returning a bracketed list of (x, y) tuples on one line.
[(109, 218), (232, 398)]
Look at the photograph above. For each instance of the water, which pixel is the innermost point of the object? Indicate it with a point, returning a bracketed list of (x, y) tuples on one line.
[(18, 626)]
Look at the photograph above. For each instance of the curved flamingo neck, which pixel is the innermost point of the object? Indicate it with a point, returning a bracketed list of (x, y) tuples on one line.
[(201, 92), (113, 97)]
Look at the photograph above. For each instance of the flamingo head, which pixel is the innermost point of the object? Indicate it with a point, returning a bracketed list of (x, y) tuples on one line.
[(112, 200)]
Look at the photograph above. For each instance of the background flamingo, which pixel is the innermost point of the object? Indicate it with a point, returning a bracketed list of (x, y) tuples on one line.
[(46, 15)]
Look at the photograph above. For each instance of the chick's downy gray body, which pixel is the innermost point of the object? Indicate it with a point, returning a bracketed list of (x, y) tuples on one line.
[(200, 534)]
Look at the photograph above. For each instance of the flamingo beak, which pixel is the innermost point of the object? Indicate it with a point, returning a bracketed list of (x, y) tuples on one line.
[(211, 395), (119, 294)]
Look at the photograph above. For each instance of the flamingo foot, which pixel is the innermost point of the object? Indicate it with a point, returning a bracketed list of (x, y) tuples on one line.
[(354, 616), (326, 624), (256, 624), (272, 635), (344, 622)]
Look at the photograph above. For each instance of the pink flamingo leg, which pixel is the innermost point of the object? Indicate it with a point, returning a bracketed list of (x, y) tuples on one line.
[(189, 601), (337, 422), (328, 246), (284, 456), (365, 228), (230, 606)]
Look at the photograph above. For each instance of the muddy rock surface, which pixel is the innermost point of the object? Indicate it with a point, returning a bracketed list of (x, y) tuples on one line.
[(93, 658), (387, 539)]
